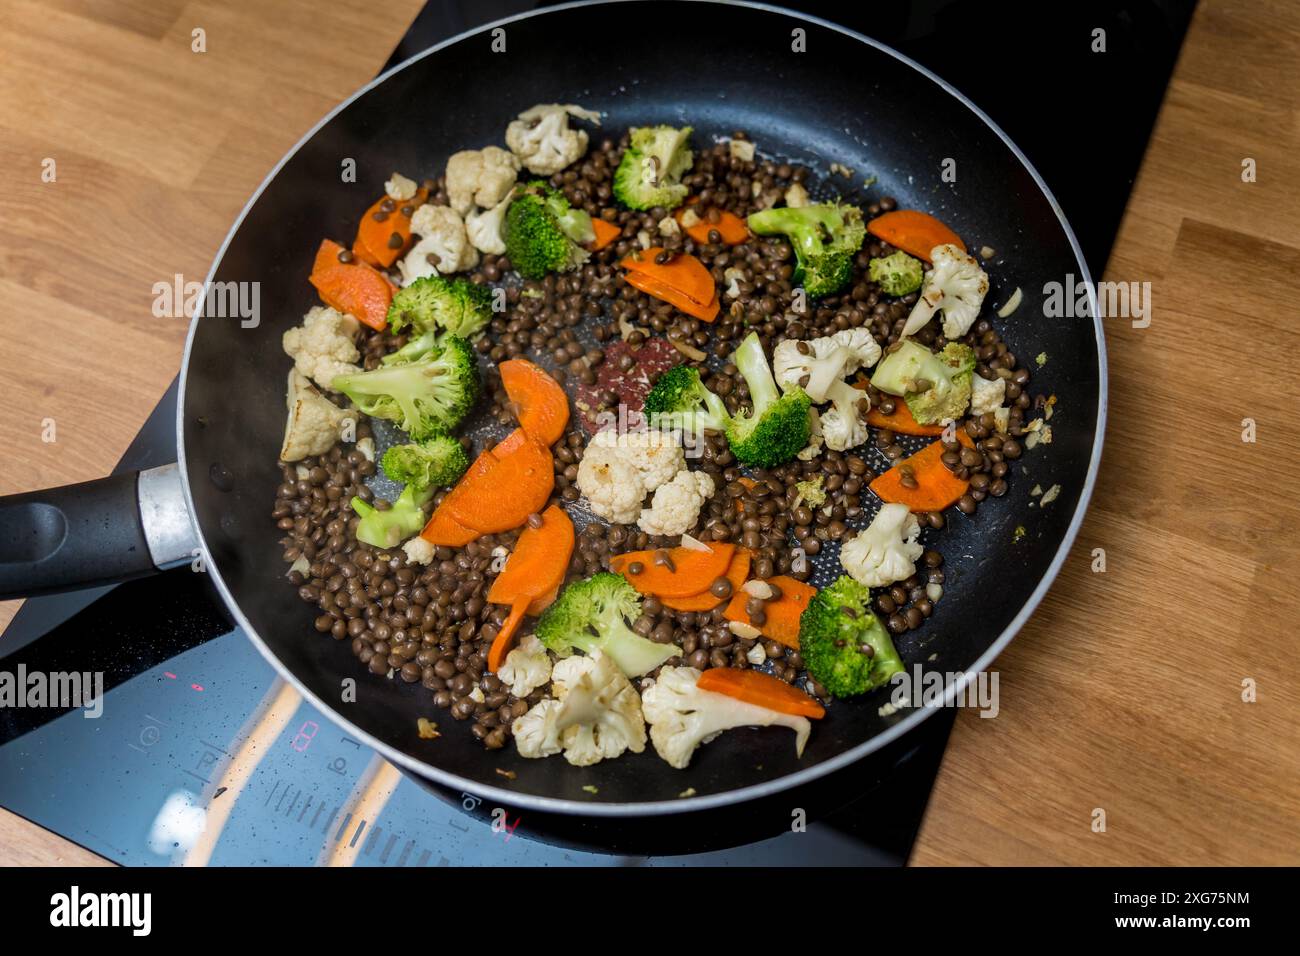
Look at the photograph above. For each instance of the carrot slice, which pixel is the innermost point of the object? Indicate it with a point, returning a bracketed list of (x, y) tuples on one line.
[(730, 227), (913, 231), (705, 600), (761, 690), (782, 623), (936, 486), (674, 297), (352, 287), (446, 531), (901, 421), (693, 570), (533, 572), (606, 233), (543, 406), (373, 243), (516, 485), (685, 273)]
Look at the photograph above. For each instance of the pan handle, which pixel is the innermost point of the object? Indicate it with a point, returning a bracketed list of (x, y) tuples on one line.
[(94, 533)]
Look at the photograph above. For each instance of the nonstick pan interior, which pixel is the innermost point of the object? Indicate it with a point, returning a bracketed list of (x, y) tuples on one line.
[(843, 101)]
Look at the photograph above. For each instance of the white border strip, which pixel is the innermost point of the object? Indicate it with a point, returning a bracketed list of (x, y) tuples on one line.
[(728, 797)]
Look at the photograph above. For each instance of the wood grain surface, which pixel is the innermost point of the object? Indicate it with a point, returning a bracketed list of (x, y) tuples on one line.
[(1124, 693)]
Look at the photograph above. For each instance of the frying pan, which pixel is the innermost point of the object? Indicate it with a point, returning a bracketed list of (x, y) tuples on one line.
[(842, 98)]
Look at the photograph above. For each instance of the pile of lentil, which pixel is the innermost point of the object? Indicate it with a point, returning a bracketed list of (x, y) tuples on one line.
[(431, 625)]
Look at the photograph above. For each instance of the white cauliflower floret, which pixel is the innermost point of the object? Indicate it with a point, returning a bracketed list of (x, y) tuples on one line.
[(675, 508), (418, 551), (611, 484), (480, 177), (595, 716), (485, 228), (886, 551), (542, 139), (682, 717), (985, 395), (443, 235), (400, 188), (656, 455), (796, 196), (956, 286), (526, 668), (842, 425), (323, 346), (826, 360), (315, 423)]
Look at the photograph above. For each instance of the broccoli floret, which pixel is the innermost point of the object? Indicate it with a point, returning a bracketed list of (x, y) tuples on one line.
[(937, 388), (430, 395), (825, 238), (436, 462), (812, 490), (835, 631), (651, 169), (388, 529), (679, 400), (593, 615), (896, 274), (543, 233), (439, 304), (777, 427)]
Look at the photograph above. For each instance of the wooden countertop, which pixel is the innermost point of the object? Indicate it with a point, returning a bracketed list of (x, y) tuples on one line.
[(1124, 693)]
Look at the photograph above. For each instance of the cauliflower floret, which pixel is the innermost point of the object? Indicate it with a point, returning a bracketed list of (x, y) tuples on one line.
[(527, 667), (675, 508), (956, 286), (842, 425), (443, 235), (400, 188), (595, 716), (418, 551), (657, 455), (886, 551), (542, 139), (315, 423), (681, 716), (484, 228), (825, 361), (796, 196), (323, 347), (480, 177), (611, 484), (986, 396)]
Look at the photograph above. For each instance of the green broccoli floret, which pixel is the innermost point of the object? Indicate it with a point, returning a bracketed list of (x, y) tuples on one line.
[(896, 274), (650, 172), (388, 529), (543, 233), (836, 630), (593, 615), (812, 490), (777, 427), (436, 462), (825, 238), (425, 397), (679, 400), (439, 304), (937, 388)]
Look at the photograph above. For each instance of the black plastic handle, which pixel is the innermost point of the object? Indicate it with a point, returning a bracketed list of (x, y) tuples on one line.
[(72, 537)]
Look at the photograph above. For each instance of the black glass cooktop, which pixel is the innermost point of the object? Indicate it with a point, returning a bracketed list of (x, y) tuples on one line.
[(203, 755)]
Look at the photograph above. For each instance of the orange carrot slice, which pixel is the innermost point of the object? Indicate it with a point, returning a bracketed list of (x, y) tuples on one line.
[(543, 406), (901, 421), (446, 531), (674, 297), (730, 227), (782, 623), (705, 600), (761, 690), (373, 243), (693, 570), (533, 572), (685, 273), (352, 287), (606, 233), (516, 485), (936, 486), (913, 231)]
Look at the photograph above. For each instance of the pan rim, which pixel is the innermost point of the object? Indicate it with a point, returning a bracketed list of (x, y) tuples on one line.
[(726, 797)]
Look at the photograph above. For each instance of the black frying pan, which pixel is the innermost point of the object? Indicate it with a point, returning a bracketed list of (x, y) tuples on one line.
[(845, 99)]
